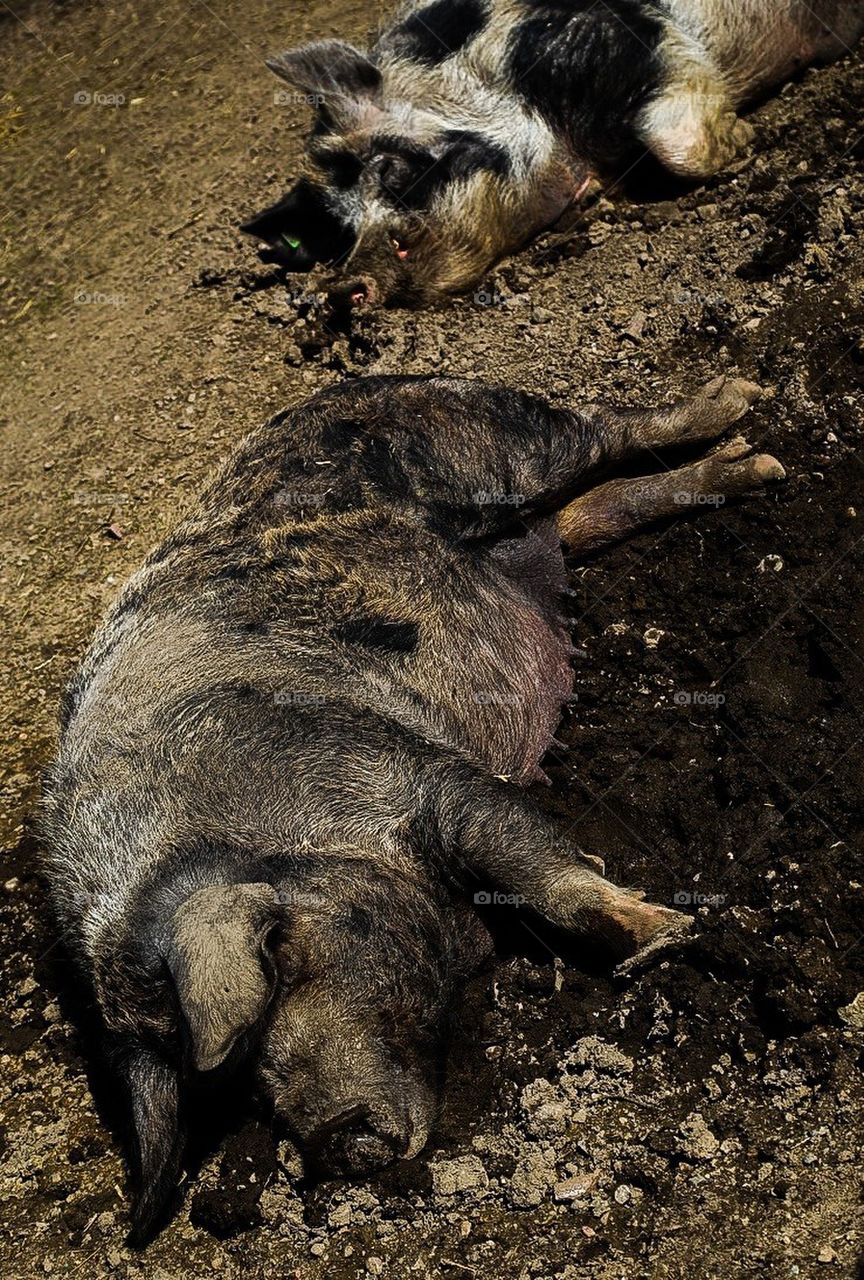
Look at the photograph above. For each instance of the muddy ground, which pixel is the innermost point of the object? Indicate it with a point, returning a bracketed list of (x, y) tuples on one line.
[(702, 1120)]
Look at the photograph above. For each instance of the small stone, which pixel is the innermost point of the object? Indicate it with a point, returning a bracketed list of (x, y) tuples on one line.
[(635, 327), (375, 1266), (317, 1249), (591, 1051), (826, 1254), (575, 1188), (623, 1194)]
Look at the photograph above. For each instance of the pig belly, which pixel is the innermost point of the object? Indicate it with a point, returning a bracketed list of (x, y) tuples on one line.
[(513, 676), (757, 44)]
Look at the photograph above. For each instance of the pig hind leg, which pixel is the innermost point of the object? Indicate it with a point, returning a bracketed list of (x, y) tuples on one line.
[(705, 416), (615, 510), (692, 126)]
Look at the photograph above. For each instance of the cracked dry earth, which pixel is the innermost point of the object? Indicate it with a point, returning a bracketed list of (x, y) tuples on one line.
[(702, 1119)]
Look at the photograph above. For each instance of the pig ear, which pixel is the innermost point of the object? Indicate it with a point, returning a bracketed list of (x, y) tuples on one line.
[(152, 1086), (338, 78), (220, 965)]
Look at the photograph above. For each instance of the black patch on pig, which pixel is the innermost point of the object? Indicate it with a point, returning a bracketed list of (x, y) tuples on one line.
[(304, 213), (296, 541), (375, 632), (128, 603), (435, 33), (589, 69), (411, 176), (342, 169)]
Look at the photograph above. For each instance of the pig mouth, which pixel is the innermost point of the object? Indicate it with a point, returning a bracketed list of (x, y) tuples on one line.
[(360, 1139), (351, 1144), (355, 1143)]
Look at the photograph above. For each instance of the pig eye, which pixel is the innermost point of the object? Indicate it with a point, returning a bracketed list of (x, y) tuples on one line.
[(400, 248)]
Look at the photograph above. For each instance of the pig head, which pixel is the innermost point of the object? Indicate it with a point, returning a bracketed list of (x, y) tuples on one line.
[(410, 193), (336, 976)]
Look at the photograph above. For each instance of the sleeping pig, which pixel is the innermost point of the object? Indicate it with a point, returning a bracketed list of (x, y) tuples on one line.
[(473, 124), (300, 743)]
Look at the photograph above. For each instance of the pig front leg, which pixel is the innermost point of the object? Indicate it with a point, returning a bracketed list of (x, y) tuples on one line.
[(692, 126), (615, 510), (492, 835)]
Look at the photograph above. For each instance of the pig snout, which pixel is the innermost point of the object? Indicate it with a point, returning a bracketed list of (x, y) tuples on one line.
[(358, 1142), (357, 291)]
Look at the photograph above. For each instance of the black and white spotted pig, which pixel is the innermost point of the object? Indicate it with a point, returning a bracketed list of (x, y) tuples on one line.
[(472, 124), (298, 745)]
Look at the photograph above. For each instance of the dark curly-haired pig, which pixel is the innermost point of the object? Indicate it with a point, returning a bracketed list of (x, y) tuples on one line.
[(302, 739), (473, 124)]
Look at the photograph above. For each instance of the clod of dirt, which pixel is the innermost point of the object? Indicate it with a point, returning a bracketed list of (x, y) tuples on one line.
[(450, 1177)]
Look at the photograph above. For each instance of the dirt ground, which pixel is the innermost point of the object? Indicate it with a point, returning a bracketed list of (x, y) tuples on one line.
[(701, 1120)]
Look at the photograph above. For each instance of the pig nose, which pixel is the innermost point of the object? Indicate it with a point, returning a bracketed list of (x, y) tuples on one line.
[(352, 1144), (360, 292)]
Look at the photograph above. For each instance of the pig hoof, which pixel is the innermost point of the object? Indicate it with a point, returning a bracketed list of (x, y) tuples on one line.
[(675, 932), (735, 469), (730, 399)]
